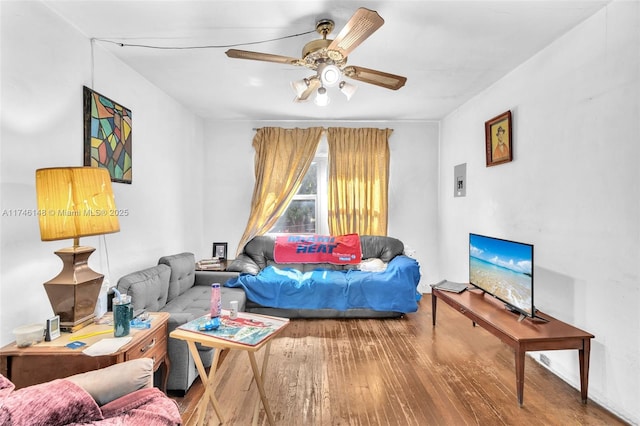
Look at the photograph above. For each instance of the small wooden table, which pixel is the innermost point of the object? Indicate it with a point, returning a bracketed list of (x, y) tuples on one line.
[(47, 361), (193, 337), (522, 336)]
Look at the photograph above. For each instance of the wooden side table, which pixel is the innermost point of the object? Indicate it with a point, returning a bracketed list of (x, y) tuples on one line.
[(53, 360)]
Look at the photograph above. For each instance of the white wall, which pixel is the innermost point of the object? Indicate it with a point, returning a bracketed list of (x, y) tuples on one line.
[(45, 63), (573, 190), (412, 183)]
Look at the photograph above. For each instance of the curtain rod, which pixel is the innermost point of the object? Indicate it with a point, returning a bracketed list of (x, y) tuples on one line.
[(323, 128)]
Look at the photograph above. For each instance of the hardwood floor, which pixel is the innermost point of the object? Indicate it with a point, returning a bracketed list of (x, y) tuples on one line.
[(394, 372)]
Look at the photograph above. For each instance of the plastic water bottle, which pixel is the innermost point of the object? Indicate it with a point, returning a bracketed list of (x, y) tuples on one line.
[(122, 313), (216, 300), (233, 312)]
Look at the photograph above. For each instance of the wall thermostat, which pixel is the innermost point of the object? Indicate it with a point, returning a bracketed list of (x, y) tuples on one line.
[(53, 328)]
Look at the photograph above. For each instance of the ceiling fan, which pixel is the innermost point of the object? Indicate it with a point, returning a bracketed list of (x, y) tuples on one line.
[(329, 59)]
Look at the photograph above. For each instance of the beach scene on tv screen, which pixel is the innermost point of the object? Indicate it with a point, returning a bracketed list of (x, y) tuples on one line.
[(502, 268)]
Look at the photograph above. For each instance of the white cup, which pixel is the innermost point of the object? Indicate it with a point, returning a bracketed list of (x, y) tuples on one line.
[(233, 314)]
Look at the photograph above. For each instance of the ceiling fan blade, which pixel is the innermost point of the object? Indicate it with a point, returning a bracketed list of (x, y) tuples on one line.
[(362, 24), (314, 83), (257, 56), (379, 78)]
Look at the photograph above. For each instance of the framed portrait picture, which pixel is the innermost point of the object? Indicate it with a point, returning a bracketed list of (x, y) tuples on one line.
[(220, 250), (497, 133)]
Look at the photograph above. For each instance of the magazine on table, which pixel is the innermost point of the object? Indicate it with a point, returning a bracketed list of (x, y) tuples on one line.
[(246, 329)]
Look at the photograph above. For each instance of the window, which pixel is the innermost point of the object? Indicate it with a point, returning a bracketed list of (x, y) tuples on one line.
[(307, 212)]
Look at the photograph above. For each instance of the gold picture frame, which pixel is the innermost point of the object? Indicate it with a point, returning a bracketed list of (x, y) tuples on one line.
[(497, 132)]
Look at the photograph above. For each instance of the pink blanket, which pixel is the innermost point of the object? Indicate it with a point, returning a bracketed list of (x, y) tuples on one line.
[(61, 402), (338, 250)]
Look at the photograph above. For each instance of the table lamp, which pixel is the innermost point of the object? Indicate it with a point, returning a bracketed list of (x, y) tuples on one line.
[(75, 202)]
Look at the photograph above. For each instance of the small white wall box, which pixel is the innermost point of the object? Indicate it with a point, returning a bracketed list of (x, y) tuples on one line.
[(460, 180)]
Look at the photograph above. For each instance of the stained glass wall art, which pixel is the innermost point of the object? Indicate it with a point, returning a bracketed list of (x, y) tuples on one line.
[(107, 135)]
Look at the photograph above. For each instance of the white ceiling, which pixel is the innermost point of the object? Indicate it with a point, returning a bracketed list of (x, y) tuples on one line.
[(448, 50)]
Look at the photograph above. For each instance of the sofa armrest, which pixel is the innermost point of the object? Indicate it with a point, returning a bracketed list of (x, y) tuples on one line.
[(210, 277), (244, 264), (176, 319), (109, 383)]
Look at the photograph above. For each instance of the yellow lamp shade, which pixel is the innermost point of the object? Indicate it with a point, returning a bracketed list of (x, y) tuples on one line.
[(75, 202)]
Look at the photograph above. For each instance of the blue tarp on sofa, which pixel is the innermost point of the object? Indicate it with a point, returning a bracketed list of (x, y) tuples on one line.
[(394, 289)]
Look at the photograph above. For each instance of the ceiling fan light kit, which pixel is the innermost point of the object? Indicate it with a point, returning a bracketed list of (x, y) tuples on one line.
[(328, 58)]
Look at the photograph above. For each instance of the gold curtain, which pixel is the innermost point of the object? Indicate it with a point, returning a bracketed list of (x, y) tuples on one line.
[(283, 157), (358, 180)]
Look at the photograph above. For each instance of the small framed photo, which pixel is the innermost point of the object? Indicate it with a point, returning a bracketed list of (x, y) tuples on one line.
[(220, 250), (497, 133), (52, 330)]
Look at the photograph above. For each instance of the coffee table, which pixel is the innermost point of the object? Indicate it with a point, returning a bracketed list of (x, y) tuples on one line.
[(250, 333)]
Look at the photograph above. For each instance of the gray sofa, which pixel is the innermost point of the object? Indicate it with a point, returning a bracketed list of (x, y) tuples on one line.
[(174, 286), (258, 254)]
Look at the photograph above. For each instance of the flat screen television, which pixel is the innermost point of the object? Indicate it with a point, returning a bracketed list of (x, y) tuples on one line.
[(503, 269)]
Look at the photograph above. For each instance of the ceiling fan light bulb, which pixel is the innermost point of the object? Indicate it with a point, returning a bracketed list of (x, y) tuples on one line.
[(299, 86), (330, 75), (348, 89), (322, 98)]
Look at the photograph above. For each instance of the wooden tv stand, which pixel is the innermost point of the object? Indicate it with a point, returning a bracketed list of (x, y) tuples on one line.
[(526, 335)]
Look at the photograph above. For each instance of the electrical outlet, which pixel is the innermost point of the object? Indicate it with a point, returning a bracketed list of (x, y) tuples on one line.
[(545, 360)]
